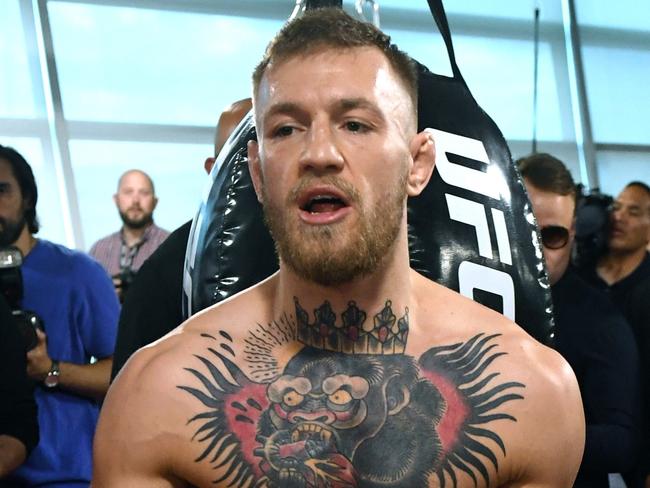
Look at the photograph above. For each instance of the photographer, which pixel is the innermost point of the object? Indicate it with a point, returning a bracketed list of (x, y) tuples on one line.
[(74, 298), (123, 252), (590, 333), (18, 424), (624, 273)]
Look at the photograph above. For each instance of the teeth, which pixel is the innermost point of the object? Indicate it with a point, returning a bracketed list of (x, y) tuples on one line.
[(288, 473), (310, 428)]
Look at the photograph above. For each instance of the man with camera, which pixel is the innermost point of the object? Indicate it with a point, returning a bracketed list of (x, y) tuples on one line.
[(123, 252), (591, 334), (74, 300), (623, 272)]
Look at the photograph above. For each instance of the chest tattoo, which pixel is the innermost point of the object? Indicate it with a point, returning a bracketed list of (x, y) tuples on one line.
[(350, 409)]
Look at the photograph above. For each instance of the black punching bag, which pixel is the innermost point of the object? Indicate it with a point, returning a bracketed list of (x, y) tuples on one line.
[(472, 228)]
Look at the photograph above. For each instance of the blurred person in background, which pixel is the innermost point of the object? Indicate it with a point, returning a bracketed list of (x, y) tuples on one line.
[(123, 252), (74, 298), (18, 422), (591, 334), (154, 304), (623, 272)]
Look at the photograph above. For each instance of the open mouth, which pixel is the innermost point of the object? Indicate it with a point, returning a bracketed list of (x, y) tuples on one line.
[(322, 204), (307, 431)]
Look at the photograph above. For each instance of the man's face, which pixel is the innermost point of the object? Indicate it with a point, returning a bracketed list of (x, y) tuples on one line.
[(630, 221), (12, 207), (334, 129), (135, 200), (553, 210)]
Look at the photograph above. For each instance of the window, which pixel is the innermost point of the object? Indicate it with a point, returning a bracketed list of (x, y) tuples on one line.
[(119, 64), (16, 93), (176, 170)]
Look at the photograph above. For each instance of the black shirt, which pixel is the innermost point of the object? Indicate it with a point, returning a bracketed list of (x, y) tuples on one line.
[(153, 303), (632, 296), (595, 339)]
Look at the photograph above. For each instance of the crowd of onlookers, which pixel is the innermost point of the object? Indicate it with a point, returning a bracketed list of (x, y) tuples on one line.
[(51, 395)]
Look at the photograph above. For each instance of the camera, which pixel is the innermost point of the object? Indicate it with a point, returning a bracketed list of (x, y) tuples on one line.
[(125, 277), (592, 226), (11, 287)]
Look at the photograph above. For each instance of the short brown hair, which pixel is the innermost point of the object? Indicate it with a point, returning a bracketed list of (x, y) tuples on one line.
[(333, 28), (547, 173)]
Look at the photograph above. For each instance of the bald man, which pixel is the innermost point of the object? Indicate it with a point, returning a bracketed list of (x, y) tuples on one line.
[(123, 252), (153, 306)]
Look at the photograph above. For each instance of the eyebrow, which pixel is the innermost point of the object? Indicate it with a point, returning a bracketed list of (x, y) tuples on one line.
[(285, 108), (340, 106), (359, 103)]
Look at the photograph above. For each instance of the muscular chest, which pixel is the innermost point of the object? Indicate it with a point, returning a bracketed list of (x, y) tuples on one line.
[(333, 419)]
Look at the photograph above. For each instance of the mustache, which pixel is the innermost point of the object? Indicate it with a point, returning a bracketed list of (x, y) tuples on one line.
[(351, 194)]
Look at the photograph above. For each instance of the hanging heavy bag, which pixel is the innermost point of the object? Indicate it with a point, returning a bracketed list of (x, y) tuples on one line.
[(472, 228)]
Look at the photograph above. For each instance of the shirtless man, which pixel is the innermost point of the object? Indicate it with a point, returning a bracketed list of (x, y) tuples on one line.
[(346, 368)]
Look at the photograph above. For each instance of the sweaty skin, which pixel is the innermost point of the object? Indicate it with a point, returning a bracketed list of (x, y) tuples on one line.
[(386, 379)]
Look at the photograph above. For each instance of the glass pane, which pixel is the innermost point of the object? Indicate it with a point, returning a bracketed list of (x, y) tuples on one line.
[(176, 169), (16, 99), (616, 169), (499, 72), (48, 207), (428, 49), (617, 90), (139, 65), (622, 14), (550, 10)]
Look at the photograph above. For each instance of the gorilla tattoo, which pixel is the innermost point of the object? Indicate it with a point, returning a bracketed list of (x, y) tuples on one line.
[(338, 419)]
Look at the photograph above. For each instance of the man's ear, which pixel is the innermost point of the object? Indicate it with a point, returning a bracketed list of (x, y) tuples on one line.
[(155, 203), (255, 169), (423, 153), (115, 199)]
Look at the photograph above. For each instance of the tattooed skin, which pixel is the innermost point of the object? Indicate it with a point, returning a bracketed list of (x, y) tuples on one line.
[(350, 409)]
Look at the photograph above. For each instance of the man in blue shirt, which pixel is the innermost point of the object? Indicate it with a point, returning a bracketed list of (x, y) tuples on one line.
[(74, 297)]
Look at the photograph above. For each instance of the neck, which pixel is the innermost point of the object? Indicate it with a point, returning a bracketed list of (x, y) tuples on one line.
[(25, 242), (618, 265), (392, 281), (133, 236)]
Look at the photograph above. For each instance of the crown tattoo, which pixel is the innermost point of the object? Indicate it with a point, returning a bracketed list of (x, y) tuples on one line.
[(385, 334)]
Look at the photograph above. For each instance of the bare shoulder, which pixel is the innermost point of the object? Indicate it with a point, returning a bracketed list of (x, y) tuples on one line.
[(145, 434), (551, 432), (529, 397)]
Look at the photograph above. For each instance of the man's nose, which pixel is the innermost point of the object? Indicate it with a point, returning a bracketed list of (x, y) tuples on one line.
[(321, 152), (617, 214)]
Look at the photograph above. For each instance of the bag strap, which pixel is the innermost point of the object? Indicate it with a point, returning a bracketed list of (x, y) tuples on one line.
[(438, 12)]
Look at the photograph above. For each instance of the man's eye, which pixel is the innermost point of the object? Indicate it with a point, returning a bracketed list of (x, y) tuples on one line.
[(284, 131), (354, 126)]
